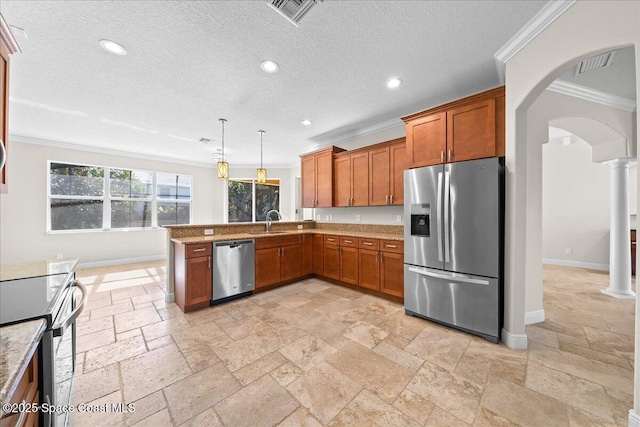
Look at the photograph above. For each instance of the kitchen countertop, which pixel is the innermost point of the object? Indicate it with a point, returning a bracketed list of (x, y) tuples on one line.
[(239, 236), (37, 268), (17, 345)]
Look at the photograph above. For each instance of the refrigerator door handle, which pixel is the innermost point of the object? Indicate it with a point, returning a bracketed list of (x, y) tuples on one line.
[(453, 277), (446, 215), (439, 218)]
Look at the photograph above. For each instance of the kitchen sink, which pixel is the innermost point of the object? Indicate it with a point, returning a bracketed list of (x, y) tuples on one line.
[(259, 233)]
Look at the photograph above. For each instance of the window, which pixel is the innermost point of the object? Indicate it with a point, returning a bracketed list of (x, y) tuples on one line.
[(80, 198), (250, 201)]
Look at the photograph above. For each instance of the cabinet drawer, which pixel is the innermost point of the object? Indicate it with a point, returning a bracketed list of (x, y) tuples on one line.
[(371, 244), (197, 249), (349, 241), (276, 242), (331, 240), (392, 246)]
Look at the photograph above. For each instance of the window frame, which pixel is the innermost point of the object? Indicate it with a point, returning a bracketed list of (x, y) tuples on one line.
[(254, 182), (106, 199)]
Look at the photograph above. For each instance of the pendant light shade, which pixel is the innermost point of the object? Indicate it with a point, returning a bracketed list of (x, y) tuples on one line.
[(223, 166), (262, 173)]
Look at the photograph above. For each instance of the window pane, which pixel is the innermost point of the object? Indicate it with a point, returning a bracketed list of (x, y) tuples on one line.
[(240, 203), (75, 180), (125, 214), (267, 198), (70, 214), (172, 186), (126, 183), (172, 213)]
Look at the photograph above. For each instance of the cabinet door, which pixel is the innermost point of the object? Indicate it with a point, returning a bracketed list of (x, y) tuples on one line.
[(397, 161), (471, 131), (379, 176), (349, 265), (267, 267), (198, 286), (360, 179), (427, 140), (324, 179), (342, 181), (318, 254), (308, 176), (369, 269), (290, 262), (307, 254), (392, 273), (332, 262), (4, 110)]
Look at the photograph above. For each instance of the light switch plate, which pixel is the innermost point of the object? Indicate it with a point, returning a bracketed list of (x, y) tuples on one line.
[(358, 218), (399, 218)]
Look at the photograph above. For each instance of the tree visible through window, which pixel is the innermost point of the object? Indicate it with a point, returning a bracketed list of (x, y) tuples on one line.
[(243, 193)]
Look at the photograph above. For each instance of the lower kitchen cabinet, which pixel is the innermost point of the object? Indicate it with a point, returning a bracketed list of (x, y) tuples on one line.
[(291, 262), (331, 253), (307, 254), (392, 268), (26, 392), (369, 269), (349, 260), (277, 260), (318, 254), (192, 275), (267, 267)]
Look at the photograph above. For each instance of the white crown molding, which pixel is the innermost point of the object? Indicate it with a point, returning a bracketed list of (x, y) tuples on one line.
[(129, 154), (378, 127), (514, 341), (593, 95), (579, 264), (549, 13), (531, 317), (7, 38)]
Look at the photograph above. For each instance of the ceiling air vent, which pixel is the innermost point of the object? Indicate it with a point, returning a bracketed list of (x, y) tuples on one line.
[(595, 62), (293, 10)]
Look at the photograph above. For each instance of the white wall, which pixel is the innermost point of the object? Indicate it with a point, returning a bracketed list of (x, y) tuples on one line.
[(575, 205), (23, 211)]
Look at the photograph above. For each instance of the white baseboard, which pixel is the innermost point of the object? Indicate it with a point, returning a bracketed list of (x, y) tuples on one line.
[(532, 317), (634, 418), (110, 262), (514, 341), (579, 264)]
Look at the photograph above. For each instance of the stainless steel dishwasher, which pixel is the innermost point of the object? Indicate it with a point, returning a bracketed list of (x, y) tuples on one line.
[(233, 270)]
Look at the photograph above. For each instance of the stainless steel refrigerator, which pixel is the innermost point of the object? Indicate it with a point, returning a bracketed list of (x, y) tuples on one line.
[(454, 245)]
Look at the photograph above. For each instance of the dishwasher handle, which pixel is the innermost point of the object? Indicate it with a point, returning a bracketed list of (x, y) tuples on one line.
[(234, 244)]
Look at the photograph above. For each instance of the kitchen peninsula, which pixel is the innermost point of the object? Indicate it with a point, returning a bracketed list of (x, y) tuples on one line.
[(366, 257)]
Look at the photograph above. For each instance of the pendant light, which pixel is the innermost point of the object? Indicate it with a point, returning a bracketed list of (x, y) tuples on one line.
[(223, 166), (262, 173)]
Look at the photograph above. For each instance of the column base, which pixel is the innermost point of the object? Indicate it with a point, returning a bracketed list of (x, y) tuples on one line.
[(618, 294)]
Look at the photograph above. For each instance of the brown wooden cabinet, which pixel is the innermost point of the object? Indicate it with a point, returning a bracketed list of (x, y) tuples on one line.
[(351, 179), (318, 254), (8, 46), (307, 254), (349, 260), (192, 275), (369, 268), (317, 178), (386, 169), (470, 128), (392, 267), (277, 259), (331, 253), (26, 392)]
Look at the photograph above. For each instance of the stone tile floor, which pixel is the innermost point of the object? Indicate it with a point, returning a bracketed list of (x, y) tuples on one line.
[(314, 353)]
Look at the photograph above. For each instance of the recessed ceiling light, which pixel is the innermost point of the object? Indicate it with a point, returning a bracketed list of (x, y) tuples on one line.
[(269, 66), (113, 47), (306, 122), (393, 83)]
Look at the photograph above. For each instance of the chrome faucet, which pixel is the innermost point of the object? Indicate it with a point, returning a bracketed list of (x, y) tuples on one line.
[(269, 218)]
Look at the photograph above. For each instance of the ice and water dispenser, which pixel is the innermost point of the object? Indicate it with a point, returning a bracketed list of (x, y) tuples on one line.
[(420, 214)]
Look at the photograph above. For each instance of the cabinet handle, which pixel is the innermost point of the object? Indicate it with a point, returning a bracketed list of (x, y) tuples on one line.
[(348, 241), (391, 199), (209, 259), (367, 243), (449, 155), (381, 258), (331, 240), (200, 250), (386, 200), (441, 156), (390, 246)]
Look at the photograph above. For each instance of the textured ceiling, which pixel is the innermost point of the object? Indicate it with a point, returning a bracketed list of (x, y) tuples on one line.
[(619, 78), (190, 63)]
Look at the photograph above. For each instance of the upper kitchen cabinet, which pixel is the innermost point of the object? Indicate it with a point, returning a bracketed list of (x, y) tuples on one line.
[(470, 128), (8, 46), (386, 167), (351, 182), (317, 178)]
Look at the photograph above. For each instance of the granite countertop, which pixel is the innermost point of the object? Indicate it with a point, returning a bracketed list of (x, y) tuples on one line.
[(37, 268), (17, 345), (239, 236)]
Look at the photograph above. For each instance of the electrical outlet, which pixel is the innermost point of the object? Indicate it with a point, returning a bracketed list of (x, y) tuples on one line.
[(300, 227), (399, 218), (318, 217), (326, 217), (330, 217), (358, 218), (60, 256), (568, 251), (208, 232)]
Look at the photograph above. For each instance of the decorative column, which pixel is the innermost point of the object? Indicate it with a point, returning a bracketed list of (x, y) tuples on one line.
[(620, 239)]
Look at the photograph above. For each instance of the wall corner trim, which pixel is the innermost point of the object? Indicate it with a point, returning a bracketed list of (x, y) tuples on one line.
[(549, 13), (531, 317), (592, 95), (514, 341), (634, 418)]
